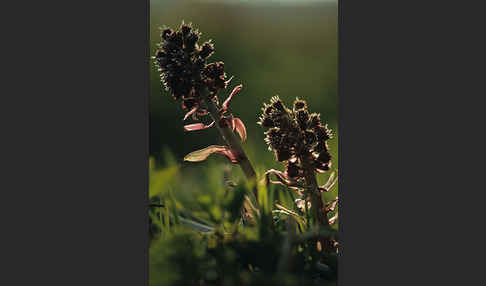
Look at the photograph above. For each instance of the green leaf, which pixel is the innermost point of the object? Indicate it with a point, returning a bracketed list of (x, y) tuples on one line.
[(196, 225), (159, 181), (201, 155)]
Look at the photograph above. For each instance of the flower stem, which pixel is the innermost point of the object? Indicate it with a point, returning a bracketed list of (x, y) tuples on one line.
[(233, 143), (317, 203)]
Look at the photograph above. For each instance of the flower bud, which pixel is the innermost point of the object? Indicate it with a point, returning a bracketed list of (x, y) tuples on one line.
[(299, 104), (292, 170), (267, 111), (206, 50), (185, 29), (166, 34), (321, 146), (324, 157), (274, 137), (282, 155), (192, 39), (215, 76), (267, 122), (314, 121), (278, 105), (302, 118), (323, 133)]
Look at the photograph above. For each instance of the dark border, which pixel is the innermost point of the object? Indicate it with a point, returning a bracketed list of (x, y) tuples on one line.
[(342, 210), (75, 143), (147, 138)]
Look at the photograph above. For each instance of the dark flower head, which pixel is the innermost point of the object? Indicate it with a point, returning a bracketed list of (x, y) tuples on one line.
[(267, 110), (321, 146), (274, 138), (266, 122), (184, 68), (206, 50), (166, 33), (314, 121), (323, 133), (214, 76), (295, 134), (299, 104), (185, 29), (278, 105), (190, 41), (324, 157)]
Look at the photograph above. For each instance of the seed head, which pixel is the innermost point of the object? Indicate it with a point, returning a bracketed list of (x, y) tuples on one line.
[(299, 104), (214, 76), (295, 135), (206, 50), (183, 66)]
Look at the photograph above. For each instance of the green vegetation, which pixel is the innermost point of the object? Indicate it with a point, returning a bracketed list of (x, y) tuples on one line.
[(198, 238)]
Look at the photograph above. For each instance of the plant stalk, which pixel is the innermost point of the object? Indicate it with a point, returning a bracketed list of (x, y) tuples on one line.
[(233, 143), (317, 203)]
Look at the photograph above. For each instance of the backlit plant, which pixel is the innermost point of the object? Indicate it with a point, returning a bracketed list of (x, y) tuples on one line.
[(296, 242), (299, 139)]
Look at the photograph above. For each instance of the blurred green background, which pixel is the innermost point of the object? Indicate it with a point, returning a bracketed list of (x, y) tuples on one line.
[(286, 48)]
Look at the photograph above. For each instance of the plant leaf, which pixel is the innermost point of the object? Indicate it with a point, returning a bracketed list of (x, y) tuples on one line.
[(240, 128), (192, 111), (197, 126), (330, 182), (227, 101), (331, 206), (283, 180), (161, 179), (333, 219), (201, 155), (196, 225)]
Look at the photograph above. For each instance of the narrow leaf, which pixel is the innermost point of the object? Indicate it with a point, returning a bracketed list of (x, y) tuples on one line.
[(229, 80), (331, 206), (192, 111), (227, 101), (283, 180), (196, 225), (330, 182), (229, 154), (201, 155), (240, 128), (333, 219), (197, 126)]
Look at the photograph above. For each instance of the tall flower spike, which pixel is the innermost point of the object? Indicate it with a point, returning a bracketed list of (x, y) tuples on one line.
[(296, 134), (187, 75), (299, 139), (184, 68)]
